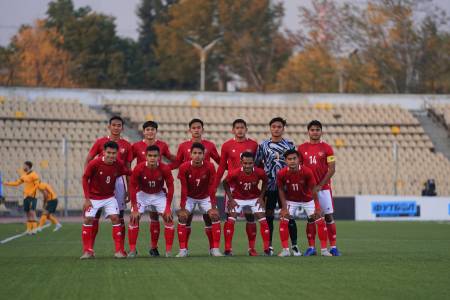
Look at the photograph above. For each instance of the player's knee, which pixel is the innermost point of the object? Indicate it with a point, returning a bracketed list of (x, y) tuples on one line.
[(311, 219), (213, 215), (260, 215), (269, 213), (88, 221), (114, 219), (329, 218), (183, 216), (167, 220), (232, 215)]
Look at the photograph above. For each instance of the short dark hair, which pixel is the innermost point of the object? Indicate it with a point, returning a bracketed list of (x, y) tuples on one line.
[(278, 119), (290, 152), (116, 118), (239, 121), (247, 154), (111, 144), (29, 164), (314, 123), (198, 146), (152, 148), (151, 124), (195, 121)]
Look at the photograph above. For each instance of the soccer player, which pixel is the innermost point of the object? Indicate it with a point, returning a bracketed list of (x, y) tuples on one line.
[(197, 179), (49, 205), (246, 195), (139, 149), (31, 180), (230, 159), (184, 154), (319, 157), (125, 155), (296, 189), (98, 185), (271, 154), (147, 192)]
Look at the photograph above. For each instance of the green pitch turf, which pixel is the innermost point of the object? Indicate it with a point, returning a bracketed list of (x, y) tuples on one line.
[(403, 260)]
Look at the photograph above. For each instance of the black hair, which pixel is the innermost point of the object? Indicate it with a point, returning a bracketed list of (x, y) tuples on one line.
[(152, 148), (116, 118), (198, 146), (314, 123), (291, 151), (111, 144), (239, 121), (195, 121), (29, 164), (247, 154), (278, 119), (151, 124)]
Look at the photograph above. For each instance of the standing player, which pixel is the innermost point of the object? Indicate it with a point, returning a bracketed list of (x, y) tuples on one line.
[(271, 155), (149, 130), (99, 185), (230, 159), (147, 192), (296, 189), (125, 155), (319, 157), (49, 205), (31, 181), (197, 179), (184, 154), (246, 195)]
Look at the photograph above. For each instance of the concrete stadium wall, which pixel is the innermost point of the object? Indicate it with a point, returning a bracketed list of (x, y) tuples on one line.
[(95, 96)]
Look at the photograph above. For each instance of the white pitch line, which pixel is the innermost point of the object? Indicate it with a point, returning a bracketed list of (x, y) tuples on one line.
[(19, 235)]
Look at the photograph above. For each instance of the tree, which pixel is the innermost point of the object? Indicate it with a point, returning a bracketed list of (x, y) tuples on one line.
[(38, 62)]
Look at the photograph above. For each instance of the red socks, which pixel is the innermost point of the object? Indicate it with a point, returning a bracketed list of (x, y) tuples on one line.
[(117, 237), (133, 232), (169, 234), (215, 233), (250, 228), (311, 234), (86, 237), (331, 228), (284, 233), (155, 229), (208, 232), (322, 233), (182, 236), (228, 232), (94, 231), (265, 232), (122, 228)]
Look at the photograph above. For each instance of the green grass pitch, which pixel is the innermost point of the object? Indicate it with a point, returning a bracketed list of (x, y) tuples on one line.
[(396, 260)]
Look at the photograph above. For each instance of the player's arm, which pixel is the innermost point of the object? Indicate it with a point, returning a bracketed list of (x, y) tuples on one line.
[(231, 203), (215, 155), (331, 160), (178, 159), (184, 187), (311, 184), (87, 175), (282, 194), (133, 187), (259, 157), (168, 155), (264, 180), (92, 154), (168, 178), (222, 165), (14, 183), (212, 186)]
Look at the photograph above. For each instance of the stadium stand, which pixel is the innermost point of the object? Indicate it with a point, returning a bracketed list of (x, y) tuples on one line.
[(441, 113), (362, 136)]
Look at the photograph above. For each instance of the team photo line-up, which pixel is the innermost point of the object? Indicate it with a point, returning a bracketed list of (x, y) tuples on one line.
[(260, 178)]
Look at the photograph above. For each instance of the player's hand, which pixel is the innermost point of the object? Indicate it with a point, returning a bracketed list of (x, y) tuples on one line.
[(317, 213), (317, 189), (127, 197), (87, 204), (168, 215), (261, 202), (232, 204), (134, 217), (284, 213)]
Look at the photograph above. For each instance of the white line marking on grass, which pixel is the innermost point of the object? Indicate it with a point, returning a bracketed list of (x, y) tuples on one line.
[(19, 235)]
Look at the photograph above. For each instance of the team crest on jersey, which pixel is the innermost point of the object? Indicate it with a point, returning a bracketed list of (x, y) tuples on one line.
[(101, 173), (233, 150), (122, 150), (321, 153), (306, 153), (145, 177), (302, 182), (143, 153), (204, 176), (190, 176), (287, 181), (160, 178)]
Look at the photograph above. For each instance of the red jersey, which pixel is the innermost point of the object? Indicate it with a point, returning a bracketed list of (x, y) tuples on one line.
[(246, 186), (197, 182), (316, 157), (99, 178), (184, 153), (297, 185), (151, 181), (139, 149), (125, 154), (230, 155)]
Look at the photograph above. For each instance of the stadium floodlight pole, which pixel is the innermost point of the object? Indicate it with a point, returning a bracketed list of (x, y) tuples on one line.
[(66, 175), (203, 52)]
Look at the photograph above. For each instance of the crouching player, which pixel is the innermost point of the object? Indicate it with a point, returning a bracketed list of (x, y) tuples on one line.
[(99, 182), (197, 179), (147, 192), (295, 187), (246, 196)]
